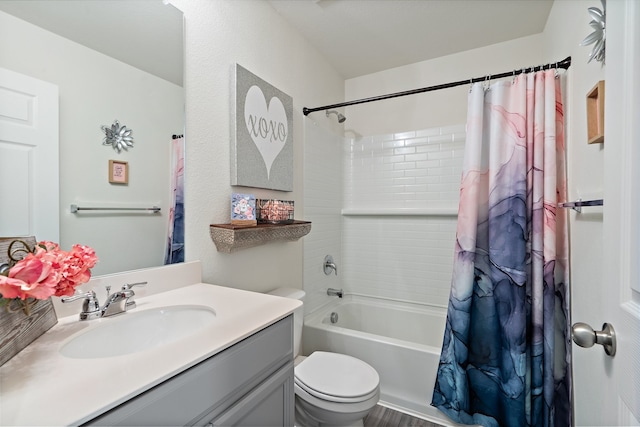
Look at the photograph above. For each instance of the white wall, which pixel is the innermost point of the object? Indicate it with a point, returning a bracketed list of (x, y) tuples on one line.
[(431, 109), (95, 90), (218, 34)]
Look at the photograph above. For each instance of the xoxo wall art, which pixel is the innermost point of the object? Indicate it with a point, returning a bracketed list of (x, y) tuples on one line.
[(262, 134)]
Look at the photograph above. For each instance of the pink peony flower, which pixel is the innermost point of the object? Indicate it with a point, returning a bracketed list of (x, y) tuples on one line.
[(76, 269), (48, 271), (31, 277)]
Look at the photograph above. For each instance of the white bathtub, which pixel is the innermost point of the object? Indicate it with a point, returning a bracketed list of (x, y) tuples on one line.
[(401, 341)]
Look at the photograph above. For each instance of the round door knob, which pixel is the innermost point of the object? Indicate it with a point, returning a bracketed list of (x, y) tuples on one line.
[(584, 336)]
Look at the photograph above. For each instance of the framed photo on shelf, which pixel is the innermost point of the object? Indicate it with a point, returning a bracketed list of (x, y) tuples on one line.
[(118, 172)]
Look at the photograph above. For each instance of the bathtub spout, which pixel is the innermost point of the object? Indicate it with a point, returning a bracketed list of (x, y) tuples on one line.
[(334, 292)]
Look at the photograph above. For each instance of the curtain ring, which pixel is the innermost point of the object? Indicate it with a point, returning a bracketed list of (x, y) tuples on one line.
[(486, 82)]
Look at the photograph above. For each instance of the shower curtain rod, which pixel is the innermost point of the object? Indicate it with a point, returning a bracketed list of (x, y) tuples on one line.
[(565, 64)]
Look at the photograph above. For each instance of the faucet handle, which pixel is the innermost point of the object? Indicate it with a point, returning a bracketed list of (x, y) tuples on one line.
[(329, 265), (74, 297), (128, 286), (90, 305)]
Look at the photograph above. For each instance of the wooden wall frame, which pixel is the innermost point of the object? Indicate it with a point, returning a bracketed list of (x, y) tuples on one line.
[(595, 114), (118, 172)]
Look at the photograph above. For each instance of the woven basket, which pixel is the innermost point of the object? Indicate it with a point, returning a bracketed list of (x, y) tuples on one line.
[(272, 211)]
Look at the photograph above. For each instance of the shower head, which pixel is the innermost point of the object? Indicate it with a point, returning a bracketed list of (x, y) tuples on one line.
[(340, 117)]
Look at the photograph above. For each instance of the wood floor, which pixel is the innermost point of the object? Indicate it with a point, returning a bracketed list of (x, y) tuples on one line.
[(381, 416)]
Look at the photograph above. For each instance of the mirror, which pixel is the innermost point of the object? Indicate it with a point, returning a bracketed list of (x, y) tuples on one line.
[(111, 60)]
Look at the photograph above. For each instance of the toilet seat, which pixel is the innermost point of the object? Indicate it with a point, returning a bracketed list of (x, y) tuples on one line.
[(333, 399), (337, 378)]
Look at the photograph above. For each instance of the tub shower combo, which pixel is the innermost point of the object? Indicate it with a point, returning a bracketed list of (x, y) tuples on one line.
[(398, 213)]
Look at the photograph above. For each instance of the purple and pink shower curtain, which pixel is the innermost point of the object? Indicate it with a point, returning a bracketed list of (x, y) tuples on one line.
[(506, 353), (174, 252)]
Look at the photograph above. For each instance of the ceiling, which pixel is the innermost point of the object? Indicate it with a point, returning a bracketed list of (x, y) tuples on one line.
[(361, 37), (146, 34), (357, 37)]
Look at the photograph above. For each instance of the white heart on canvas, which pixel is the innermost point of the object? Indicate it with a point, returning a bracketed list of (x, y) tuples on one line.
[(267, 125)]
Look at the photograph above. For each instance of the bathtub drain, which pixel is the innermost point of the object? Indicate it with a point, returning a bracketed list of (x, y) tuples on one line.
[(334, 317)]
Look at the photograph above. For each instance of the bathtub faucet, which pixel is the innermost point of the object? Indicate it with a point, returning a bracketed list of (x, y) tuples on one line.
[(334, 292)]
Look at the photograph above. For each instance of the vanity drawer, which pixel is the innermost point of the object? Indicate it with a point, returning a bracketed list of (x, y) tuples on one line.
[(210, 387)]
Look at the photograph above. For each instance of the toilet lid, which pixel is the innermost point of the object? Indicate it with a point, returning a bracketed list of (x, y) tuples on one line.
[(339, 375)]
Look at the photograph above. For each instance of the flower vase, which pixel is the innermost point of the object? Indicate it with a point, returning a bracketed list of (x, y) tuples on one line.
[(19, 329)]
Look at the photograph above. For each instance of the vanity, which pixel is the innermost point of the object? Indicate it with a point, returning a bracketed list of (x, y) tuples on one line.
[(250, 383), (201, 354)]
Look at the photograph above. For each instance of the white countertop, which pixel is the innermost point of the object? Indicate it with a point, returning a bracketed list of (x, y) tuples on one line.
[(41, 387)]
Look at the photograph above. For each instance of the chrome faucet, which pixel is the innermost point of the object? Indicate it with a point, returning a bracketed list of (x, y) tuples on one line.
[(117, 302), (329, 265), (334, 292)]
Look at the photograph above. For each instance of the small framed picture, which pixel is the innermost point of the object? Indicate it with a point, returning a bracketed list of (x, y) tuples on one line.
[(243, 210), (118, 172)]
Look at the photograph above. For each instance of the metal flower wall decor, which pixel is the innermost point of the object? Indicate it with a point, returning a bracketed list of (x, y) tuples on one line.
[(118, 137), (598, 36)]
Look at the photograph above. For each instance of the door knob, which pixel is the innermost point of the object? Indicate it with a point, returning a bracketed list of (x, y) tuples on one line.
[(584, 336)]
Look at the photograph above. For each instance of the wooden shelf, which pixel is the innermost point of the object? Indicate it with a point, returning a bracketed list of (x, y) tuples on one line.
[(595, 114), (230, 238)]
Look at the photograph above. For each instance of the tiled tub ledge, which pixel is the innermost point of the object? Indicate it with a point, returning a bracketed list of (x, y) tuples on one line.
[(432, 211)]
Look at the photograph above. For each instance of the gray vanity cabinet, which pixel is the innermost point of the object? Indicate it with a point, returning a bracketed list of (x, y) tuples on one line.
[(248, 384)]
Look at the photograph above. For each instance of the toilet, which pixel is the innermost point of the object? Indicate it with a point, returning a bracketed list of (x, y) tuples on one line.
[(331, 389)]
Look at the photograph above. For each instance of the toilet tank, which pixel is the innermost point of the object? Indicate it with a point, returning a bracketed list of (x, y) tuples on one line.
[(298, 314)]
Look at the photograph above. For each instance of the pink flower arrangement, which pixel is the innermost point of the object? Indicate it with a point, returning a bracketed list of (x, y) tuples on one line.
[(48, 271)]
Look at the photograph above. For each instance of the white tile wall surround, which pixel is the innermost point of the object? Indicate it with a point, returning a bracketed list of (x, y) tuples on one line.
[(388, 217), (322, 206), (408, 169)]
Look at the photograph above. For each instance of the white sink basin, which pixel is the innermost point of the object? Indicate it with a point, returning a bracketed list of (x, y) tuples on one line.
[(132, 332)]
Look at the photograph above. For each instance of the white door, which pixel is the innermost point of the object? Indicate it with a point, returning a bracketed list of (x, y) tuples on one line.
[(619, 394), (29, 199)]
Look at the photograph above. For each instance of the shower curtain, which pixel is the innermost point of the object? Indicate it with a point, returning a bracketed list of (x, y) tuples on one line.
[(506, 353), (175, 243)]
